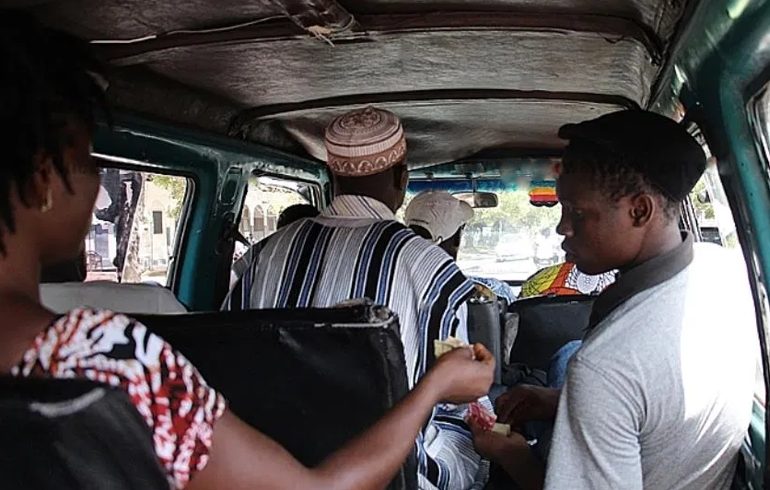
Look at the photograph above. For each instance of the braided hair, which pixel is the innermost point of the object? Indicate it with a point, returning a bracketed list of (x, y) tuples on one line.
[(46, 77), (611, 174)]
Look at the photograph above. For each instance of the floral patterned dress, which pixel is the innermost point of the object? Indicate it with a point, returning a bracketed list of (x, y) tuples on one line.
[(563, 280), (174, 399)]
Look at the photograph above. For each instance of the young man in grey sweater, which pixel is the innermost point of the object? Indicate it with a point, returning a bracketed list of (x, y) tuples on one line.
[(659, 396)]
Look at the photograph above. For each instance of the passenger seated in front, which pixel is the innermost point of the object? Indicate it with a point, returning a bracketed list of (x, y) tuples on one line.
[(288, 216), (356, 249), (52, 92), (440, 218), (660, 394), (296, 213)]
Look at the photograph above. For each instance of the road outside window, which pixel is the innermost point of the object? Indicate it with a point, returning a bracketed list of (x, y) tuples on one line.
[(511, 241)]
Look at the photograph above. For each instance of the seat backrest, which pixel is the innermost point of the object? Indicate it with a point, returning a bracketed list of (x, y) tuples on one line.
[(484, 327), (106, 295), (545, 324), (74, 434), (311, 379)]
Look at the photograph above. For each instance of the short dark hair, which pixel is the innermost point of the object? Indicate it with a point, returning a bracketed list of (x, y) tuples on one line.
[(296, 212), (46, 76), (612, 174), (362, 185), (422, 232)]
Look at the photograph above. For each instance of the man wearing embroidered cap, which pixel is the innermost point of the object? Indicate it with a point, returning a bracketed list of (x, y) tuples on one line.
[(659, 395), (365, 143), (356, 249)]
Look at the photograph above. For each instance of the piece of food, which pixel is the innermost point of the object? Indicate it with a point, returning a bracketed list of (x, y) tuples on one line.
[(482, 417), (503, 429), (441, 347)]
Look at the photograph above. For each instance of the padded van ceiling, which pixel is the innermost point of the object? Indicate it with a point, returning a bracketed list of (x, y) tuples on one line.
[(464, 75)]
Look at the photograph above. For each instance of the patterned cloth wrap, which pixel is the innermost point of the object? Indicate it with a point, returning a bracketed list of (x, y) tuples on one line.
[(565, 279), (168, 392)]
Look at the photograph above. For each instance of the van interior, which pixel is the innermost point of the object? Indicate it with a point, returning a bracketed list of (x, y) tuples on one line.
[(219, 115)]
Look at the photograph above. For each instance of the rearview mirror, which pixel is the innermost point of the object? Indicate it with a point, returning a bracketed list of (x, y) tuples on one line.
[(479, 199)]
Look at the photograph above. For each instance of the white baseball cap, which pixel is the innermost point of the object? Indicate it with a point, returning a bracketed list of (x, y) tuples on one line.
[(439, 212)]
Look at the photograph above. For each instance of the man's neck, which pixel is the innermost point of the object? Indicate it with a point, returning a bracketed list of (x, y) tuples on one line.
[(371, 195), (657, 243)]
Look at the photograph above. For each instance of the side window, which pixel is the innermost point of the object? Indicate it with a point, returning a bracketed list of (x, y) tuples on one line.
[(266, 198), (715, 220), (133, 236)]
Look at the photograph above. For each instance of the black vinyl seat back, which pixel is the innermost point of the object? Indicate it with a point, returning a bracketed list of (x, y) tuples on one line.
[(74, 435), (546, 323), (311, 379), (484, 327)]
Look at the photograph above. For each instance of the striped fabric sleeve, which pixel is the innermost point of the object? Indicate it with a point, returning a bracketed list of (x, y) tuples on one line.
[(448, 454), (240, 265)]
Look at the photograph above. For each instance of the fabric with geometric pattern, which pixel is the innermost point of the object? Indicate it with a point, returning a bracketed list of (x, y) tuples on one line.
[(168, 392), (563, 280)]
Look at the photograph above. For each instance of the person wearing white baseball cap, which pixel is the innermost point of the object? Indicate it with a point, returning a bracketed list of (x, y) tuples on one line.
[(439, 217)]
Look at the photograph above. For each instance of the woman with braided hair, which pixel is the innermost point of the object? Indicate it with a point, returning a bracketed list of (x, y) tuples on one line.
[(51, 93)]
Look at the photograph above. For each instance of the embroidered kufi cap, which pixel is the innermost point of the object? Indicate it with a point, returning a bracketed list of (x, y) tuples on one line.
[(364, 142)]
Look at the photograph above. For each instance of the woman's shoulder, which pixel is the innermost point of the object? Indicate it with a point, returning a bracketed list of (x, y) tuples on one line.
[(166, 389), (88, 317), (90, 326), (91, 337)]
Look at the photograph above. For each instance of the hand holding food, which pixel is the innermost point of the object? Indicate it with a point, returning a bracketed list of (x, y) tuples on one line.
[(526, 403), (476, 412)]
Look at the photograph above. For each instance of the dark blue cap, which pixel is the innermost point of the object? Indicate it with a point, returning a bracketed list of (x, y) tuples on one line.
[(656, 146)]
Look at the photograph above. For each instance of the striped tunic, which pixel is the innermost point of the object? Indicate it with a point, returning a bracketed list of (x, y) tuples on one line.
[(356, 249)]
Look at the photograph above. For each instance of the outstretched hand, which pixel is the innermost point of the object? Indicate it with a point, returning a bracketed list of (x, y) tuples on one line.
[(513, 454), (494, 446), (463, 375)]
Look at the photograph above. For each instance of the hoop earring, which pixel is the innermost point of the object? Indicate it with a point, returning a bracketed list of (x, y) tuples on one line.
[(47, 202)]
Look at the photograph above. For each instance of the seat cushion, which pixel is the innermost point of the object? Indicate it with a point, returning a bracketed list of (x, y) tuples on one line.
[(105, 295)]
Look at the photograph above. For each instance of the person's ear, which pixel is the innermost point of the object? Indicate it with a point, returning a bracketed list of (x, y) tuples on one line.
[(642, 209), (401, 177), (335, 185), (39, 192)]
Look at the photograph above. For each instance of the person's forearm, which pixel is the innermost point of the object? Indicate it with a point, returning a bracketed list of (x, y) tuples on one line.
[(371, 460), (524, 468)]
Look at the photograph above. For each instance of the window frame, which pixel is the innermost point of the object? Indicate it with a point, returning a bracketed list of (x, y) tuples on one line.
[(315, 192), (188, 203)]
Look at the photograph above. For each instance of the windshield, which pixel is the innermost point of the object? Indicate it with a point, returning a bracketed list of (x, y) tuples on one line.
[(511, 241)]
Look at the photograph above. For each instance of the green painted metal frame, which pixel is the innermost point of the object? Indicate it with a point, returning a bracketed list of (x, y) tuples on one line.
[(720, 63), (207, 160)]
